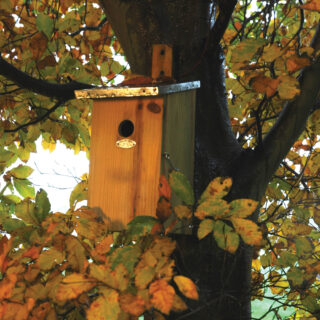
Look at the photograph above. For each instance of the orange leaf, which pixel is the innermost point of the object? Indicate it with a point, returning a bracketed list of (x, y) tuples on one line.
[(164, 188), (73, 285), (187, 287), (265, 85), (6, 286), (162, 295), (5, 247), (295, 63), (32, 253), (238, 25), (313, 5), (134, 305)]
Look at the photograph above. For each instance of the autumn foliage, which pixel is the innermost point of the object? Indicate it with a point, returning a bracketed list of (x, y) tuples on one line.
[(68, 265), (55, 265)]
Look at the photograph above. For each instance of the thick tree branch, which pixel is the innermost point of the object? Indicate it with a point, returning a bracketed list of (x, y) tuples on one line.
[(226, 8), (53, 90), (292, 119)]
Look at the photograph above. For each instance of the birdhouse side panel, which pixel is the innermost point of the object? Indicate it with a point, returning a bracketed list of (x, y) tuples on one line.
[(179, 132)]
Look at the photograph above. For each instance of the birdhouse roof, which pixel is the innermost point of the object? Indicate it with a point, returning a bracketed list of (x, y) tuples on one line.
[(134, 91)]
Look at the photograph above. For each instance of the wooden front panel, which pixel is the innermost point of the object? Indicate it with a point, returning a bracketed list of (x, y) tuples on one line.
[(124, 183)]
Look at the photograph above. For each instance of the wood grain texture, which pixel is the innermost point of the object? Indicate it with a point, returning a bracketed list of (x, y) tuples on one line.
[(123, 183)]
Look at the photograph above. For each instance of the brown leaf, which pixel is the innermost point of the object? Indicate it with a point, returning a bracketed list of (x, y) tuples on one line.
[(134, 305), (178, 304), (163, 209), (164, 188), (265, 85)]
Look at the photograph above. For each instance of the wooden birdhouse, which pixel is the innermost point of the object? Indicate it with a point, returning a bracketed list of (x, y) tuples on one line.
[(138, 133)]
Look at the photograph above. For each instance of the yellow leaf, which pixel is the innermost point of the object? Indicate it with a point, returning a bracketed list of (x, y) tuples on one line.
[(187, 287), (248, 230), (73, 285), (256, 264), (49, 258), (217, 188), (162, 295), (144, 276), (182, 212), (216, 208), (272, 52), (205, 227), (288, 87), (242, 208), (134, 305), (105, 307)]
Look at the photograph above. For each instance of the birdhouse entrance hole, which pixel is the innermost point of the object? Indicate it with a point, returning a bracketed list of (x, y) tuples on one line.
[(126, 128)]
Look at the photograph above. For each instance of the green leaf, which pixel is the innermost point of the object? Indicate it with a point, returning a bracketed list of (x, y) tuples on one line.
[(25, 211), (12, 224), (205, 227), (20, 172), (140, 226), (225, 237), (79, 193), (303, 246), (128, 256), (24, 188), (11, 199), (116, 67), (84, 134), (104, 68), (42, 205), (181, 187), (45, 24)]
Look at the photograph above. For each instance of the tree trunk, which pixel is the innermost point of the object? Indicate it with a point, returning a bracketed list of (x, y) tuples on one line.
[(223, 279)]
